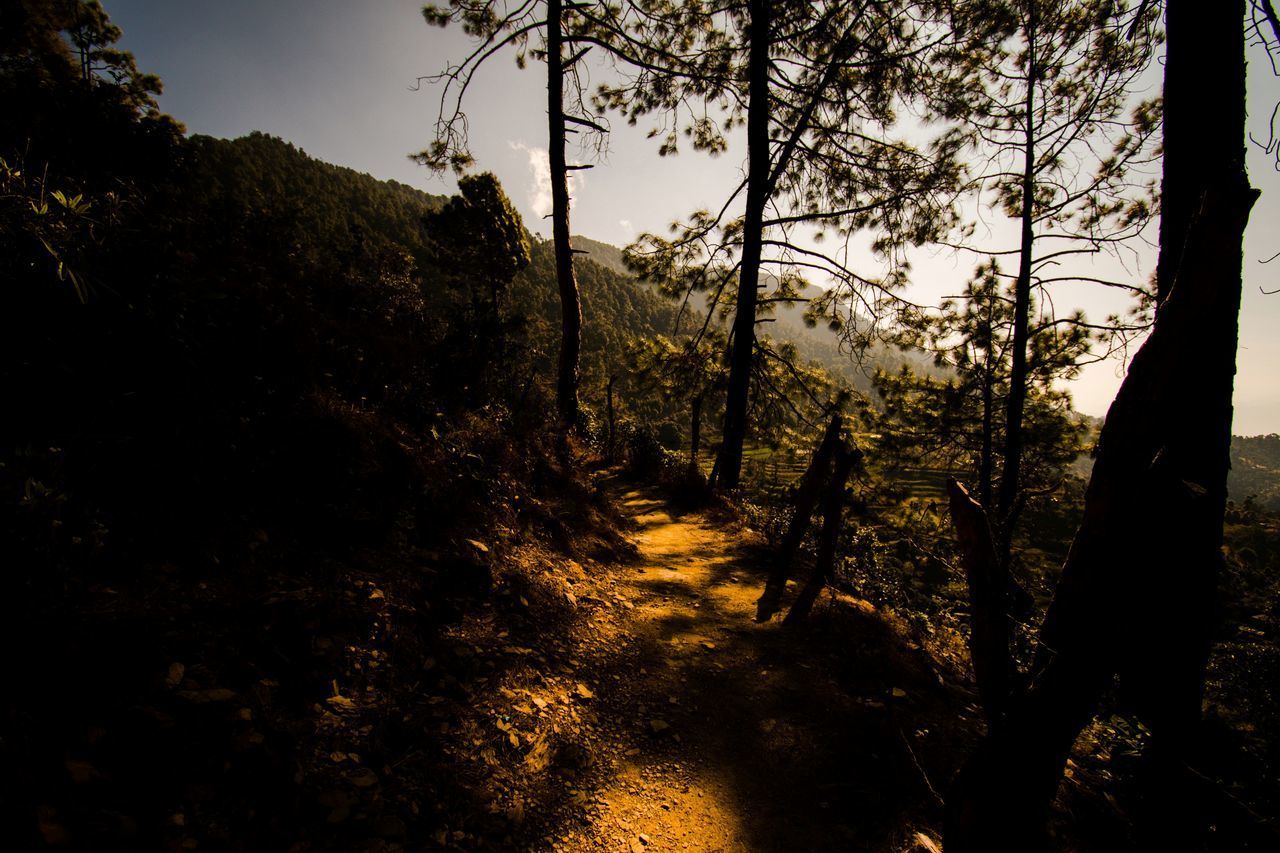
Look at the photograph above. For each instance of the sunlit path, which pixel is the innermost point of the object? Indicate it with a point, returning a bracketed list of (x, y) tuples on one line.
[(720, 734)]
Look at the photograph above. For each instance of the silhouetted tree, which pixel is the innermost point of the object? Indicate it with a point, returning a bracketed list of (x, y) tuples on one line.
[(952, 420), (1048, 103), (816, 87), (1136, 592), (497, 24)]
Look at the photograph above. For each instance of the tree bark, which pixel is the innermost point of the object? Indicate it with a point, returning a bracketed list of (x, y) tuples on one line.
[(695, 434), (742, 355), (611, 448), (1011, 473), (1193, 146), (988, 579), (828, 538), (986, 459), (1136, 593), (570, 303), (807, 494)]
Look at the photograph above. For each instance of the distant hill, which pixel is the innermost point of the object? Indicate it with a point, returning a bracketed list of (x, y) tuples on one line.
[(264, 173), (334, 204), (614, 307), (1255, 469), (603, 254), (817, 343)]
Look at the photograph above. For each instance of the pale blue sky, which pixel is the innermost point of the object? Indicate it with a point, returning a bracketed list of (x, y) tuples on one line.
[(334, 78)]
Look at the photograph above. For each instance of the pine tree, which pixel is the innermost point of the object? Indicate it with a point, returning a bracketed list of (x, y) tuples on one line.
[(1135, 596), (816, 87), (952, 421), (495, 25), (1047, 103)]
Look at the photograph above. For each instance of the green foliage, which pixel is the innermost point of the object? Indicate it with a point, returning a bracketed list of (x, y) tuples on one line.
[(1060, 110), (261, 174), (44, 232), (480, 231), (953, 421), (839, 75)]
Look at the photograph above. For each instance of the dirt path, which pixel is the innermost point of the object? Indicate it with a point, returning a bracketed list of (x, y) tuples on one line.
[(713, 733)]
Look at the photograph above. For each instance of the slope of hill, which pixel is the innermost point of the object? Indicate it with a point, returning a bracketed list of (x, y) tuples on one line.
[(260, 172), (333, 205), (813, 343), (1255, 469)]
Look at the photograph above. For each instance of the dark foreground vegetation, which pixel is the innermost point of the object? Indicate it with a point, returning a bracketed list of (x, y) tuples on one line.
[(323, 527)]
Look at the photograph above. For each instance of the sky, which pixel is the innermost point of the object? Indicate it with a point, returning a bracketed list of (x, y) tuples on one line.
[(338, 79)]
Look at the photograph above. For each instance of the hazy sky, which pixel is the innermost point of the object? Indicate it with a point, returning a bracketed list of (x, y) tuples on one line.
[(336, 77)]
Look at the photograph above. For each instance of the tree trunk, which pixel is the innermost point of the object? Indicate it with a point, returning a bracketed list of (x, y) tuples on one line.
[(1192, 144), (828, 538), (807, 494), (610, 447), (1010, 475), (570, 304), (742, 354), (986, 461), (988, 579), (1136, 594), (695, 434)]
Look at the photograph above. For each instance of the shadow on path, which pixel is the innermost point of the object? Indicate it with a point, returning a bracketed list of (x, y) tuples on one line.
[(724, 734)]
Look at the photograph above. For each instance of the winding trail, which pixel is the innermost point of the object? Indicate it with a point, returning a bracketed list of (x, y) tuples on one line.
[(715, 733)]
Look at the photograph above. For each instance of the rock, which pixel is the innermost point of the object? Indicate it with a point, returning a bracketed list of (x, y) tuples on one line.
[(342, 703), (659, 726)]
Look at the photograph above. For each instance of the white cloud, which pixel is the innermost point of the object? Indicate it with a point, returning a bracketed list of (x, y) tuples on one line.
[(540, 178), (627, 228)]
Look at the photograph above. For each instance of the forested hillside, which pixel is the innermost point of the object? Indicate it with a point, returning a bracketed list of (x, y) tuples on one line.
[(262, 173), (1255, 469)]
